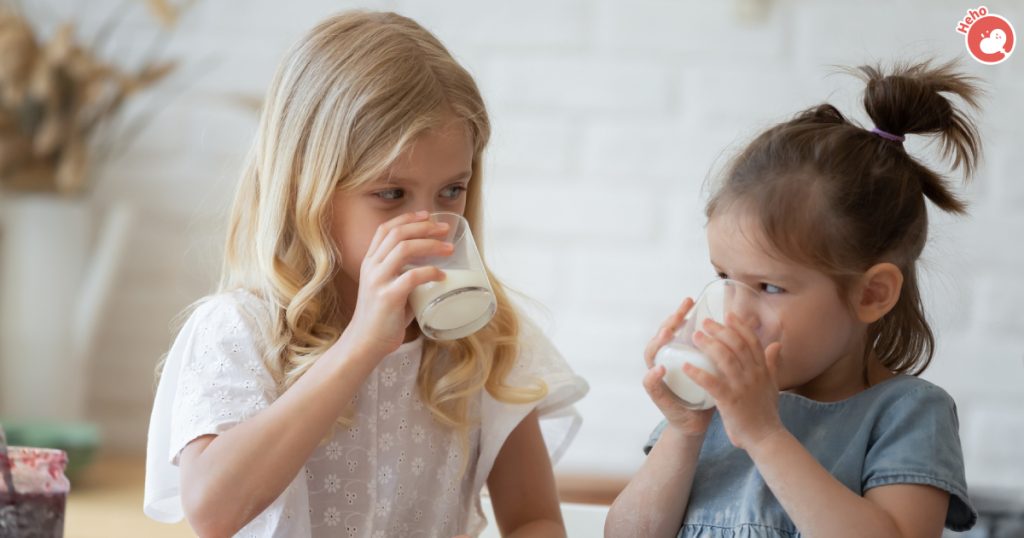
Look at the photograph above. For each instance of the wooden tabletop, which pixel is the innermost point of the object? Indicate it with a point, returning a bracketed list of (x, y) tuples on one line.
[(107, 500)]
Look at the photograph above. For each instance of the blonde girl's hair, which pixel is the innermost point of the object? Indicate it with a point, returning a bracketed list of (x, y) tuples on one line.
[(840, 198), (349, 97)]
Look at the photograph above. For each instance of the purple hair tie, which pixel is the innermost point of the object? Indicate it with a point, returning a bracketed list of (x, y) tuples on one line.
[(888, 136)]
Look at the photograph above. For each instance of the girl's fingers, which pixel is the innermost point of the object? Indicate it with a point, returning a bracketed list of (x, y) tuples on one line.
[(732, 340), (667, 326), (383, 229), (771, 359), (400, 256), (408, 281), (705, 379), (663, 337), (415, 230), (657, 390), (719, 353), (653, 377), (753, 344), (675, 321), (666, 330), (652, 383)]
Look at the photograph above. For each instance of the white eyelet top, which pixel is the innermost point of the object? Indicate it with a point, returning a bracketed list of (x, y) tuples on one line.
[(394, 472)]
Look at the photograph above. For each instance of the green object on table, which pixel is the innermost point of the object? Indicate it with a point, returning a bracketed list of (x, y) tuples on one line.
[(78, 439)]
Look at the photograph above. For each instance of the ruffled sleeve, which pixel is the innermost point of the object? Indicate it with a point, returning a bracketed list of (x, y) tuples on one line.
[(559, 420), (213, 379)]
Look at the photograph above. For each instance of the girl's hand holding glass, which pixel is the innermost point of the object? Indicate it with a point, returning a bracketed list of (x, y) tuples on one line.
[(382, 311), (745, 388), (680, 416), (696, 350)]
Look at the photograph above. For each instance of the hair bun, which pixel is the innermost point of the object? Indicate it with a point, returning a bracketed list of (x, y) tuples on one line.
[(911, 99)]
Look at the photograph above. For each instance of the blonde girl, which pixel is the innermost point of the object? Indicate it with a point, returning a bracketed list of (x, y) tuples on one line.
[(301, 398), (827, 220)]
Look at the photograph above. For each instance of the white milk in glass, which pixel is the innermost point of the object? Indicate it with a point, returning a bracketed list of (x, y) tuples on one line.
[(672, 356), (465, 298)]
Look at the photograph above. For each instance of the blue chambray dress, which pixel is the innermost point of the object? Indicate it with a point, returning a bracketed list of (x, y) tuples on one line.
[(901, 431)]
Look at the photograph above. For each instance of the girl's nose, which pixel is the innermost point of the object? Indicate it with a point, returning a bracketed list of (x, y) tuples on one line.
[(745, 309), (433, 207), (747, 318)]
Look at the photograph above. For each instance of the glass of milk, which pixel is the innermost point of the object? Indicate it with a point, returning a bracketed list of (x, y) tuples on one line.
[(719, 298), (463, 302)]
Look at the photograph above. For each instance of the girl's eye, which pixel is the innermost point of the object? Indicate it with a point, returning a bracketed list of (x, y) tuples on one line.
[(390, 194), (453, 192), (771, 289)]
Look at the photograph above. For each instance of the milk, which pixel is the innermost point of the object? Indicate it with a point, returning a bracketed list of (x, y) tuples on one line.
[(672, 356), (465, 298)]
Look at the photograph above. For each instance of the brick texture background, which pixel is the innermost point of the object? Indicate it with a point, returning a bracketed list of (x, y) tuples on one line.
[(607, 116)]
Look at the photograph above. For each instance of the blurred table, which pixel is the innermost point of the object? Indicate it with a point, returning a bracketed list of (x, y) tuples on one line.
[(107, 501)]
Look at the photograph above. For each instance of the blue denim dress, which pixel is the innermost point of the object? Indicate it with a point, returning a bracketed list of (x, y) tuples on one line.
[(901, 431)]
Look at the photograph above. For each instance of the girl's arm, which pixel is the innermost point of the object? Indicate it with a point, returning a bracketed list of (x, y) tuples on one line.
[(522, 485), (654, 501), (228, 479), (820, 505)]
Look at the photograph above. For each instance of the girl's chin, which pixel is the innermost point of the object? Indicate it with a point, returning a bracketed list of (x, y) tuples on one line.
[(788, 384)]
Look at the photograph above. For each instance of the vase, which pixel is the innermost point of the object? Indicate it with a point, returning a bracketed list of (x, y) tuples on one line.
[(58, 259)]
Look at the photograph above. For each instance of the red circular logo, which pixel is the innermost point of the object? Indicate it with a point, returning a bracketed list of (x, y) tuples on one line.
[(990, 39)]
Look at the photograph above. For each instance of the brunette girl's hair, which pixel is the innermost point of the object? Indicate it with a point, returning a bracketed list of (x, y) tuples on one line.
[(840, 198)]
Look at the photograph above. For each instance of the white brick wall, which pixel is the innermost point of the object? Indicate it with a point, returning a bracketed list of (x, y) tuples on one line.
[(607, 117)]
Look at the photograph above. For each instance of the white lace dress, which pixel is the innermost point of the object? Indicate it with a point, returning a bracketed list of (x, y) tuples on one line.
[(395, 472)]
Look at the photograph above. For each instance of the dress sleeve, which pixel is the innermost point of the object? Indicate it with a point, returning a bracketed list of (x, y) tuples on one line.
[(213, 379), (559, 420), (655, 435), (916, 441)]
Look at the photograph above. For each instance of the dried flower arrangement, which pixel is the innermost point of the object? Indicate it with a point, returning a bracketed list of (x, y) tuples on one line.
[(57, 97)]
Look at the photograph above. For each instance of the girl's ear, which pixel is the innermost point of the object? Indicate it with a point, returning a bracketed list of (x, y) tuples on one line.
[(877, 292)]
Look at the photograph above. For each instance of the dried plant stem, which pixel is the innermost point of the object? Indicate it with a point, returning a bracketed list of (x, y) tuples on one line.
[(59, 102)]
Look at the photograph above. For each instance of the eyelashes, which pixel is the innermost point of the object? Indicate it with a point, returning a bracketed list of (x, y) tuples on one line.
[(390, 195), (453, 192), (449, 193), (770, 289)]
